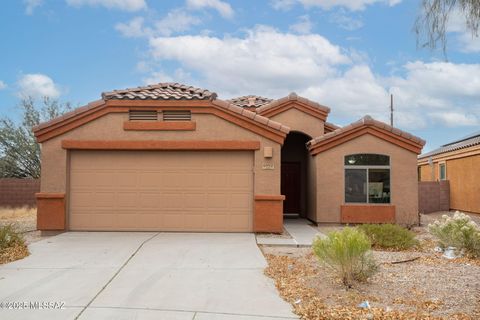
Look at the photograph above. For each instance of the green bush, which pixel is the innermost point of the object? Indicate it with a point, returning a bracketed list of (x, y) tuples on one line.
[(348, 253), (458, 231), (10, 237), (389, 236)]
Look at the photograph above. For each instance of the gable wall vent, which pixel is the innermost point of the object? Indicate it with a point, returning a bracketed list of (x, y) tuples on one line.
[(177, 115), (143, 115)]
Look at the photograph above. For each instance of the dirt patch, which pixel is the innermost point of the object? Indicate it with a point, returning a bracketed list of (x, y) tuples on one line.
[(429, 287), (16, 252), (283, 235), (25, 221)]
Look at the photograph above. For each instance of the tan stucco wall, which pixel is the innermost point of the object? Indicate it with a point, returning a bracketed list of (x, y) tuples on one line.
[(110, 127), (311, 189), (426, 173), (331, 178), (300, 121), (462, 173)]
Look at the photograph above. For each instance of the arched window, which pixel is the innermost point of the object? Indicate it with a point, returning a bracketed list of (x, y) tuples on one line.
[(367, 178)]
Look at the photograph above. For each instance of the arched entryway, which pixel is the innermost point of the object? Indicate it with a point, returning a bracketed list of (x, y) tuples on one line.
[(294, 174)]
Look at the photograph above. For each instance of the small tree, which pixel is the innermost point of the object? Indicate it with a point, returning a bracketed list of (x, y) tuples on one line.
[(432, 22), (19, 151)]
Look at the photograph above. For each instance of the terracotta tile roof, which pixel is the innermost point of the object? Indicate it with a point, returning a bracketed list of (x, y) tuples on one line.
[(71, 114), (293, 97), (252, 115), (331, 127), (367, 121), (250, 101), (184, 90), (468, 141), (161, 91)]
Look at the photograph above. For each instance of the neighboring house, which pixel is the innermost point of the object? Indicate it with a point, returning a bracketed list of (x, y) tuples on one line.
[(176, 158), (458, 162)]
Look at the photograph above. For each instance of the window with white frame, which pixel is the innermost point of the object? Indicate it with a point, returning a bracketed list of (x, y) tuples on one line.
[(367, 178), (442, 171)]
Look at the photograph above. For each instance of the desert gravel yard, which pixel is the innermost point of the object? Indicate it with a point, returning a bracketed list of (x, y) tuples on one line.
[(25, 221), (429, 287)]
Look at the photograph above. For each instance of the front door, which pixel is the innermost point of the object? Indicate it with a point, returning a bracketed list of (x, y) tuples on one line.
[(290, 185)]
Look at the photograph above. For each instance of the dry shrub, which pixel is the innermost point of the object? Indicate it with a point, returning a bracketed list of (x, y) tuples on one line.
[(348, 253), (389, 236), (12, 244)]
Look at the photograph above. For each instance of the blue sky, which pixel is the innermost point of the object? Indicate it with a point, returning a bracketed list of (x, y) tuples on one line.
[(346, 54)]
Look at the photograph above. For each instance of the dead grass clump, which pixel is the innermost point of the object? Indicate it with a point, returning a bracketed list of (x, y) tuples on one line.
[(16, 252), (17, 213), (12, 244)]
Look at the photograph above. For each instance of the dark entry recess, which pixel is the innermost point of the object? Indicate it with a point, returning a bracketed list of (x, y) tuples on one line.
[(290, 185)]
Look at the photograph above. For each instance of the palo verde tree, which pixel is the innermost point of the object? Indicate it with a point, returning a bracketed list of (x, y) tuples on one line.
[(431, 25), (19, 151)]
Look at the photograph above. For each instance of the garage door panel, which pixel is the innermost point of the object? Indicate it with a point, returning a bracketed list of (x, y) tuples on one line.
[(241, 201), (148, 200), (171, 191), (127, 199), (194, 201), (127, 178)]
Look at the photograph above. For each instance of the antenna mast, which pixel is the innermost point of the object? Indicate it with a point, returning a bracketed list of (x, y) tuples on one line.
[(391, 110)]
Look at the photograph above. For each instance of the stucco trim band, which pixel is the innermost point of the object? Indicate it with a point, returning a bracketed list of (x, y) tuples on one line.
[(451, 155), (50, 211), (268, 214), (314, 112), (199, 145), (360, 213), (160, 125), (339, 139), (260, 125)]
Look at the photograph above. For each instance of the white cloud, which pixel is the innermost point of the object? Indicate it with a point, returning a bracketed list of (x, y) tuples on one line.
[(264, 61), (175, 21), (282, 4), (37, 85), (30, 5), (455, 119), (457, 26), (303, 26), (179, 75), (223, 8), (268, 62), (134, 28), (2, 85), (345, 20), (126, 5), (353, 5), (468, 42)]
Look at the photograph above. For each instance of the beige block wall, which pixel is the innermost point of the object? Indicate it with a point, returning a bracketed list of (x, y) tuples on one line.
[(331, 178), (300, 121), (464, 177), (110, 127), (426, 172), (312, 189)]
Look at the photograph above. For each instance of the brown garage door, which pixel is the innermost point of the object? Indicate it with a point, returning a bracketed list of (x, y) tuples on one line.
[(168, 191)]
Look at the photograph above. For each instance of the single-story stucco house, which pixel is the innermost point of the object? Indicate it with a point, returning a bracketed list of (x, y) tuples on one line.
[(172, 157), (458, 162)]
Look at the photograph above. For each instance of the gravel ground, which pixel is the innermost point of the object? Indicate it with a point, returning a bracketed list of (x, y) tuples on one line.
[(283, 235), (429, 287), (25, 221)]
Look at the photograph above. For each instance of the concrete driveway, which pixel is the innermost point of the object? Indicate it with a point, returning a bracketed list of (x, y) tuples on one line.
[(130, 275)]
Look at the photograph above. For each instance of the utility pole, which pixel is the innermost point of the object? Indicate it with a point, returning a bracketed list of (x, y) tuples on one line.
[(391, 110)]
